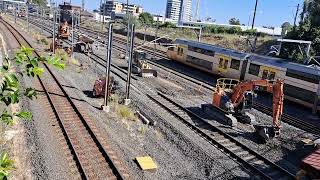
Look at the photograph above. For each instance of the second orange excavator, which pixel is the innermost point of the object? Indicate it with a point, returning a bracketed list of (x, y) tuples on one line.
[(232, 101)]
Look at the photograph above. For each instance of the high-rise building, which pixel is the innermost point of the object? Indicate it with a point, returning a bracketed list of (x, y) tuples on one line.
[(173, 10), (186, 10), (179, 10)]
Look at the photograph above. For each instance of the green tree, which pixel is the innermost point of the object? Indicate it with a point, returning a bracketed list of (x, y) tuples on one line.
[(131, 20), (308, 30), (234, 21), (167, 25), (146, 20), (286, 27), (40, 2)]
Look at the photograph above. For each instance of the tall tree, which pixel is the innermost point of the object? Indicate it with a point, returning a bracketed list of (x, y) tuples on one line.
[(286, 27), (234, 21), (308, 30)]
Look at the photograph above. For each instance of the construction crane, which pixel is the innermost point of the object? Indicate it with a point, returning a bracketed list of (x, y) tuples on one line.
[(232, 101)]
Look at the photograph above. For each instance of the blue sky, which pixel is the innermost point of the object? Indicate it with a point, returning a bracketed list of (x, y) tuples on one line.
[(269, 13)]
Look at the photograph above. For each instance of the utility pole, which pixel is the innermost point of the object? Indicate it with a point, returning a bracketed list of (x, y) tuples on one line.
[(54, 31), (128, 31), (155, 39), (101, 15), (127, 99), (295, 18), (254, 14), (82, 7), (200, 34), (15, 13), (72, 35), (105, 106), (27, 4)]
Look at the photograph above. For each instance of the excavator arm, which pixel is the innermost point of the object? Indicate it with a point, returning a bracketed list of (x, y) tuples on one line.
[(275, 88)]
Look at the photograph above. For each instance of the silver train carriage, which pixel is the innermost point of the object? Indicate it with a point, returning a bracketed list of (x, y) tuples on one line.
[(301, 81)]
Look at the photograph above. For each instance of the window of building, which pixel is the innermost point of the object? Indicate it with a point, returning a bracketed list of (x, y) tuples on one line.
[(235, 64), (254, 69)]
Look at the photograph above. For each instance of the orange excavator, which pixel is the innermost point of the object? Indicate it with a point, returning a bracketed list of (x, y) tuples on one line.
[(233, 100)]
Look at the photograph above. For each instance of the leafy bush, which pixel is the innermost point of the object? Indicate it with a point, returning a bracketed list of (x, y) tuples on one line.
[(6, 165), (167, 25), (11, 91)]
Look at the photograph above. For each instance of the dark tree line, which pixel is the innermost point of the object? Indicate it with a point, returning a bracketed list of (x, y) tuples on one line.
[(308, 30)]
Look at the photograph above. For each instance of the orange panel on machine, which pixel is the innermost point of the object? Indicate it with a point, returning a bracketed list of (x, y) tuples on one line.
[(311, 164)]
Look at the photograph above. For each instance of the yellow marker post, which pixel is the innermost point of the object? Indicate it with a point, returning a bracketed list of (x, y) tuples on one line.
[(146, 163)]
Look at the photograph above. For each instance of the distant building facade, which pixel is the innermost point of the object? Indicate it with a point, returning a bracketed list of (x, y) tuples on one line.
[(179, 10), (114, 9), (186, 10), (173, 10)]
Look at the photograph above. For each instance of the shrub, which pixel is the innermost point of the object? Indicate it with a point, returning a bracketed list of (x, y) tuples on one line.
[(126, 113), (167, 25)]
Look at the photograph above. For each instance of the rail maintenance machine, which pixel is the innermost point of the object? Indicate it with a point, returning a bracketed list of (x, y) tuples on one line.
[(233, 100), (141, 66)]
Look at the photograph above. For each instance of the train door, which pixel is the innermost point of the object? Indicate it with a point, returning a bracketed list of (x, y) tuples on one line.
[(180, 54), (268, 73), (180, 51), (243, 69), (224, 62)]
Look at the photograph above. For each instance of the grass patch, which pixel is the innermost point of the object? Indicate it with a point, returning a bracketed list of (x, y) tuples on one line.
[(126, 113), (142, 130), (62, 54)]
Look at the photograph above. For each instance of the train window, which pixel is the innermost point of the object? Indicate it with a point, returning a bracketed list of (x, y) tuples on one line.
[(254, 69), (201, 51), (199, 62), (235, 64), (226, 62), (302, 76), (190, 48), (272, 75)]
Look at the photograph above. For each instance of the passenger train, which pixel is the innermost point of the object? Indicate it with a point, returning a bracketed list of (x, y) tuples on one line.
[(301, 81)]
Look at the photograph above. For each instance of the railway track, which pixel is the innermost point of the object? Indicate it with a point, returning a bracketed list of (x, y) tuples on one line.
[(90, 151), (259, 106), (249, 158), (296, 122)]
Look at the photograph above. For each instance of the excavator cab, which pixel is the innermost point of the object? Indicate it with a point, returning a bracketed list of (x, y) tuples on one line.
[(141, 66), (223, 107)]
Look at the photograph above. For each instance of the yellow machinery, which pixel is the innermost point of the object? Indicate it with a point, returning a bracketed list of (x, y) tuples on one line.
[(141, 66)]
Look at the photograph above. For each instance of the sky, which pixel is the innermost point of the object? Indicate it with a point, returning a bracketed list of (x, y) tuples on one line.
[(269, 12)]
